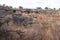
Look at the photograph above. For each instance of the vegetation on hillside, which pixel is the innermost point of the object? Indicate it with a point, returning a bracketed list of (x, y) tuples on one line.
[(29, 24)]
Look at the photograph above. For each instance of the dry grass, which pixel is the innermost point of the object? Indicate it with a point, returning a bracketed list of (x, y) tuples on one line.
[(47, 27)]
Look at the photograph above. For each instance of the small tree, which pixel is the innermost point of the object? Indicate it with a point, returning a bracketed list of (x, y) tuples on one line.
[(3, 5), (20, 7), (54, 8), (39, 8), (46, 8)]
